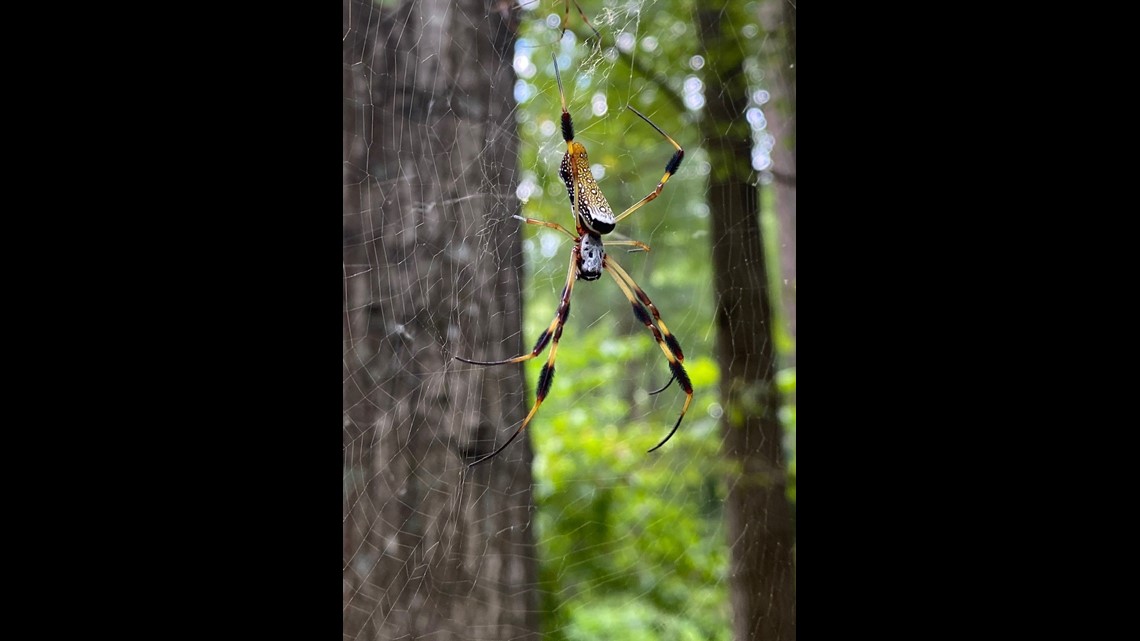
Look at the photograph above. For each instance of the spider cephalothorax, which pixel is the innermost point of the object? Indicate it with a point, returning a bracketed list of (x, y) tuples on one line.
[(588, 259)]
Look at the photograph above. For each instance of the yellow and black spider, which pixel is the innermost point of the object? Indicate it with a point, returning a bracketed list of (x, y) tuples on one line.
[(588, 259)]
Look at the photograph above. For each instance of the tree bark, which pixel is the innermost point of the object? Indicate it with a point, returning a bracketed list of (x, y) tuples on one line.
[(758, 519), (432, 266), (778, 19)]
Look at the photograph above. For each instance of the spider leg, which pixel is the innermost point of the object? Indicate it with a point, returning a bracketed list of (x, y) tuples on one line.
[(636, 244), (546, 376), (555, 328), (566, 19), (668, 344), (670, 168), (640, 246), (535, 221), (671, 379), (674, 346)]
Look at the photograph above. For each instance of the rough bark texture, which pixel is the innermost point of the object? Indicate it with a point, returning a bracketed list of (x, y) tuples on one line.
[(432, 262), (778, 19), (759, 523)]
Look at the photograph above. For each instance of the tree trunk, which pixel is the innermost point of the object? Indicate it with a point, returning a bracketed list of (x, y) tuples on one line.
[(432, 264), (778, 19), (758, 524)]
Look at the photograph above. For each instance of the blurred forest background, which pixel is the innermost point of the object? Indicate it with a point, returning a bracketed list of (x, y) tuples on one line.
[(574, 532)]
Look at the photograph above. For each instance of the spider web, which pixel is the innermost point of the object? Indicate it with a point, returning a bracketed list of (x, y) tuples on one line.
[(604, 540)]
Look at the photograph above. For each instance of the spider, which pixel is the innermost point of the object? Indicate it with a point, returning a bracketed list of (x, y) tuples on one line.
[(588, 259)]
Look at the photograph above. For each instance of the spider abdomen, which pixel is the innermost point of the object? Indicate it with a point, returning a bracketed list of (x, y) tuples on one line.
[(593, 209), (591, 257)]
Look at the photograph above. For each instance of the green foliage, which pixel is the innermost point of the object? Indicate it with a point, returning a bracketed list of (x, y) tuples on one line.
[(786, 381)]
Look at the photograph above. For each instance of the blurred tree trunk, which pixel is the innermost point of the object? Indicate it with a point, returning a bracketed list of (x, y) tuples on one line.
[(432, 262), (778, 19), (759, 526)]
